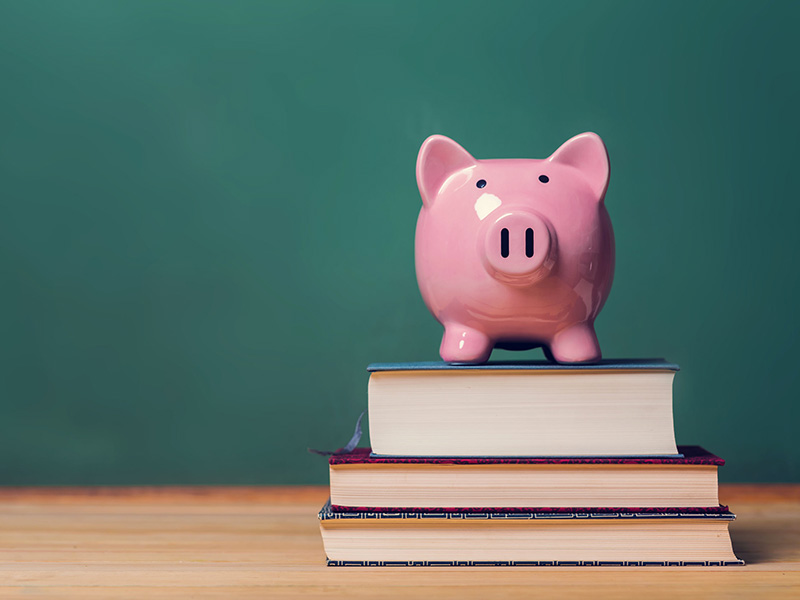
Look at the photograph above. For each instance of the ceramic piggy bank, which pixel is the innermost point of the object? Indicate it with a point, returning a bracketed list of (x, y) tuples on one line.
[(515, 253)]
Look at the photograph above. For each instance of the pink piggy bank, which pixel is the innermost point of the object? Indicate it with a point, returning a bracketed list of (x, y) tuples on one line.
[(515, 253)]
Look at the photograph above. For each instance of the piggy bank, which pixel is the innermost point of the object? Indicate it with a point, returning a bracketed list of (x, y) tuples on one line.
[(515, 254)]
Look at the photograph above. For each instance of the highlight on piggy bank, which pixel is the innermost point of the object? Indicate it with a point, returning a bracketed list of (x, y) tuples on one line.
[(515, 253)]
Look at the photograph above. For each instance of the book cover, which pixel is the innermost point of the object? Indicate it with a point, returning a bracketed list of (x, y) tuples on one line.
[(619, 364), (688, 455), (472, 514)]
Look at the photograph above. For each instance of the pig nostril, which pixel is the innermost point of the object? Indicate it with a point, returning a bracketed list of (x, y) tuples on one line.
[(529, 242), (504, 243)]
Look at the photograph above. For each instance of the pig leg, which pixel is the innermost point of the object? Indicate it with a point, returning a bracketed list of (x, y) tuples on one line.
[(576, 344), (462, 344)]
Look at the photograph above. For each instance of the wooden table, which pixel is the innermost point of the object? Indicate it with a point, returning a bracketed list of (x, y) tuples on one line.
[(265, 542)]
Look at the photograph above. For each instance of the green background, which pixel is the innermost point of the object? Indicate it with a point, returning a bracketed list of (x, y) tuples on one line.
[(208, 215)]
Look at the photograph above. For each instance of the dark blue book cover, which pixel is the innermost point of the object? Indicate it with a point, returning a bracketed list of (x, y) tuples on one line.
[(619, 364)]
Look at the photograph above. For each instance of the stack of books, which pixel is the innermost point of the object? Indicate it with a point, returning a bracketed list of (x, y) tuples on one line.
[(524, 464)]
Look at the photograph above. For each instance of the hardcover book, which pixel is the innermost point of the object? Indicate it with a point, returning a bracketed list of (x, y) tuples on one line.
[(363, 481), (476, 538), (612, 408)]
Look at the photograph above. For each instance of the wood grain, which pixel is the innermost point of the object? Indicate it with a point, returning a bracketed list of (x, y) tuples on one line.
[(207, 542)]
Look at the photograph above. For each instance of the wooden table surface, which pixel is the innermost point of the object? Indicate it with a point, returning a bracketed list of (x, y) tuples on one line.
[(264, 542)]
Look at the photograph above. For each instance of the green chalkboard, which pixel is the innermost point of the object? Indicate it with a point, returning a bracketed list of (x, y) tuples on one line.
[(208, 213)]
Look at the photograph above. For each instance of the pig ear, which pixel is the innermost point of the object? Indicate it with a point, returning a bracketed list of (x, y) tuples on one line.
[(587, 153), (439, 157)]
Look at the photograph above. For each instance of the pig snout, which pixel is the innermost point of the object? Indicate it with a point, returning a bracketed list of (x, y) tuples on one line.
[(518, 248)]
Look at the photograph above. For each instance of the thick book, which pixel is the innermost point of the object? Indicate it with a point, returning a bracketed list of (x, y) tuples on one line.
[(613, 408), (526, 539), (362, 481)]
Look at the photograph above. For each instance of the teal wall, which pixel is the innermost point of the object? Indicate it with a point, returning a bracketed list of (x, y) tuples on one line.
[(208, 214)]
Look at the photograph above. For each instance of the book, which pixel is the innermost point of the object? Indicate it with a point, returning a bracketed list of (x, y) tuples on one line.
[(365, 482), (613, 408), (526, 539)]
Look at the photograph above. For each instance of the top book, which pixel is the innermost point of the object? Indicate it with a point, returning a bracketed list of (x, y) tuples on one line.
[(532, 409)]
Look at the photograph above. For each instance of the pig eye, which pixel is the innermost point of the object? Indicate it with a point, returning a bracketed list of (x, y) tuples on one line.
[(481, 183), (544, 178)]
